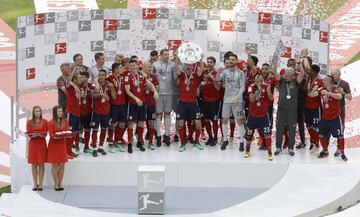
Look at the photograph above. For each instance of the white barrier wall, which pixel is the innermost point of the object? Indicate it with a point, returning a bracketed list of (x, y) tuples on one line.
[(47, 40)]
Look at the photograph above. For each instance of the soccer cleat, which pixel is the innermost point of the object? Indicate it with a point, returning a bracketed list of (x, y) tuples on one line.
[(130, 150), (209, 142), (140, 145), (311, 147), (76, 150), (337, 153), (88, 150), (120, 147), (344, 157), (182, 148), (214, 142), (199, 146), (300, 146), (176, 138), (158, 141), (101, 151), (262, 147), (270, 156), (95, 153), (151, 147), (247, 154), (291, 152), (191, 140), (241, 147), (223, 146), (278, 151), (323, 154), (111, 149), (167, 140)]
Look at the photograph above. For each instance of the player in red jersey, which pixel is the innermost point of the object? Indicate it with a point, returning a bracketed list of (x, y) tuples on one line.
[(86, 109), (101, 103), (73, 109), (260, 97), (118, 109), (188, 83), (150, 102), (330, 119), (251, 72), (270, 79), (135, 84), (313, 106), (210, 94)]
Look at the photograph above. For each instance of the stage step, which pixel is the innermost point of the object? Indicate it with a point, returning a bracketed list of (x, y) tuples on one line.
[(7, 200)]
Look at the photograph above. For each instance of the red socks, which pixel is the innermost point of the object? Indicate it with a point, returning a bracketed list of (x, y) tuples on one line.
[(268, 144), (86, 138), (151, 135), (232, 129), (140, 133), (341, 142), (215, 129), (324, 144), (130, 135), (94, 137), (102, 137), (208, 129), (182, 136), (111, 134)]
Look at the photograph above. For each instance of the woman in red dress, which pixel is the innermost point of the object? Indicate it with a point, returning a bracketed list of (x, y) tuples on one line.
[(37, 131), (57, 153)]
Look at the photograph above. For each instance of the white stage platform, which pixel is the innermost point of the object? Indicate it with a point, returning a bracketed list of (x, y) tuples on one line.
[(298, 186)]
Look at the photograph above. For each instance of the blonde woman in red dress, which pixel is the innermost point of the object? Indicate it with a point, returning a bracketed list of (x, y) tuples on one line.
[(57, 152), (37, 131)]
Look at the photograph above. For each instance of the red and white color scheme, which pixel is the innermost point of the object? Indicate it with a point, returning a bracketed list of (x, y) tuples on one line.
[(45, 6), (60, 48), (110, 24), (30, 73)]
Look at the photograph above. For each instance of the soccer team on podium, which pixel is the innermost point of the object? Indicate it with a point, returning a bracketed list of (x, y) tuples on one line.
[(134, 95)]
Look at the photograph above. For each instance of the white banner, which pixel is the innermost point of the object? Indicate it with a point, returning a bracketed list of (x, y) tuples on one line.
[(47, 40), (46, 6)]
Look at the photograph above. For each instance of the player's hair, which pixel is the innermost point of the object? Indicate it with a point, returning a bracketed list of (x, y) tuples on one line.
[(315, 68), (332, 79), (163, 50), (98, 55), (227, 54), (154, 53), (55, 117), (63, 65), (114, 66), (291, 59), (103, 70), (133, 57), (125, 61), (119, 55), (76, 56), (84, 73), (266, 64), (132, 61), (233, 55), (212, 59), (254, 59), (33, 114)]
